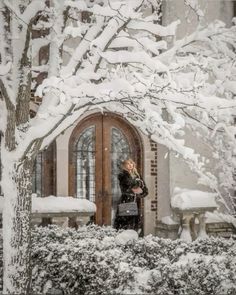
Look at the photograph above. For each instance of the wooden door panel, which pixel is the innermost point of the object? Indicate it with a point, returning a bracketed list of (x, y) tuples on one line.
[(107, 170), (106, 125), (114, 124), (99, 170)]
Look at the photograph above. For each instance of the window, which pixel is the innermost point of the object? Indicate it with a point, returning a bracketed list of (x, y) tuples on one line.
[(85, 164), (37, 176), (44, 173)]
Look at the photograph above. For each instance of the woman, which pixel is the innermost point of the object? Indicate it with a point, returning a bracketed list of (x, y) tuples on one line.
[(133, 189)]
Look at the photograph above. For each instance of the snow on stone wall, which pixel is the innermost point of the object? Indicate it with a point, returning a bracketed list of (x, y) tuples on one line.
[(189, 199), (52, 204)]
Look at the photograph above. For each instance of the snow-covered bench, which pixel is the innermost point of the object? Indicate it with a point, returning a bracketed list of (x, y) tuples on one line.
[(60, 209)]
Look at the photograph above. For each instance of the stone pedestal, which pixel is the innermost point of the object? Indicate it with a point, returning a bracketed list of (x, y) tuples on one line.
[(186, 232), (202, 226), (189, 229)]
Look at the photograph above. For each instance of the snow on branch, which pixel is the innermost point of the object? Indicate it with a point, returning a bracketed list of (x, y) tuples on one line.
[(126, 57), (138, 43), (14, 8), (31, 10), (194, 4), (154, 29), (5, 69), (80, 5), (82, 50), (110, 54), (2, 35)]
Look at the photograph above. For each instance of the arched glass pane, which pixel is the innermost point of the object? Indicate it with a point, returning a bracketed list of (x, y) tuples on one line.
[(37, 176), (85, 165), (120, 150)]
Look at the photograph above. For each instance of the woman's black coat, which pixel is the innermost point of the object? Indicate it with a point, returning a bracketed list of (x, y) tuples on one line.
[(127, 183)]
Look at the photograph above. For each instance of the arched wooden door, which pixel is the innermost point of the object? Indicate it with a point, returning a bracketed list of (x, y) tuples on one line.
[(97, 146)]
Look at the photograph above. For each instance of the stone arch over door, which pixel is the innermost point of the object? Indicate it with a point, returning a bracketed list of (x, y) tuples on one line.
[(97, 145)]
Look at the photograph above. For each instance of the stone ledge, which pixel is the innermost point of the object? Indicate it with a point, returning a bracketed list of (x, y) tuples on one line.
[(59, 218), (219, 225), (167, 231), (194, 210), (222, 229), (216, 229), (60, 214), (162, 225)]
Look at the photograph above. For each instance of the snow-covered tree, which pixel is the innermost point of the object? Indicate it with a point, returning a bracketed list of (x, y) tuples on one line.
[(112, 55)]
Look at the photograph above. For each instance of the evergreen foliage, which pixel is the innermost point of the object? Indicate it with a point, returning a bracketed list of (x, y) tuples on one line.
[(91, 261)]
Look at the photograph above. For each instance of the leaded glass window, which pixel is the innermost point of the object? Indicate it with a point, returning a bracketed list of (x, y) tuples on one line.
[(120, 150), (85, 165), (37, 176)]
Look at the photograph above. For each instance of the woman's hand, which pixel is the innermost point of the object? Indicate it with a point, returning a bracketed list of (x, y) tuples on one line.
[(137, 190)]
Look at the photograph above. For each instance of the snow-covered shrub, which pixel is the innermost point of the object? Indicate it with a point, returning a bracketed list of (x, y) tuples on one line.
[(213, 246), (59, 234), (92, 260), (195, 274), (87, 261)]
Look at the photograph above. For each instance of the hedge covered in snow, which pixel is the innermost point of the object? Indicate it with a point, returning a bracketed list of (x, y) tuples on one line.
[(98, 260)]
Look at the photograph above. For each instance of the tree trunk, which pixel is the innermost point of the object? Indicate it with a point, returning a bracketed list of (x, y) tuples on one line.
[(17, 189)]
